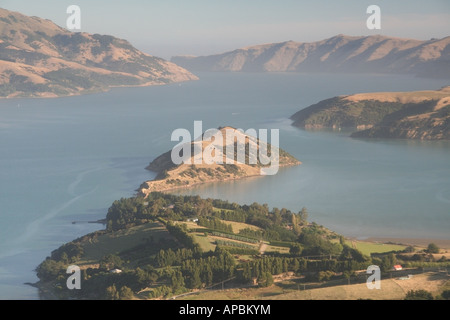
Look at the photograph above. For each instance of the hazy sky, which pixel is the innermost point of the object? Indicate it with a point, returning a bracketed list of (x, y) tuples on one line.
[(199, 27)]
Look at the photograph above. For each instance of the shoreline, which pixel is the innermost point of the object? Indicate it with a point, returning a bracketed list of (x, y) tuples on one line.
[(419, 242), (185, 187), (50, 95), (443, 244), (191, 186)]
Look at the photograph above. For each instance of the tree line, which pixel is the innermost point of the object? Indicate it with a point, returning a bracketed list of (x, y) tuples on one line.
[(215, 224)]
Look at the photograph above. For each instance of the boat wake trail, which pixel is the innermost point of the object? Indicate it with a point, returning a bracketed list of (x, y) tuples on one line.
[(78, 179), (33, 227)]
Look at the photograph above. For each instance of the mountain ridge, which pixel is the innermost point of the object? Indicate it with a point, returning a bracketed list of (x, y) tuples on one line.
[(341, 53), (41, 59)]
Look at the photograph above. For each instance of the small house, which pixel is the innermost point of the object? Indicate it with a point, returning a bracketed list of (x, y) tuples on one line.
[(397, 267), (115, 271)]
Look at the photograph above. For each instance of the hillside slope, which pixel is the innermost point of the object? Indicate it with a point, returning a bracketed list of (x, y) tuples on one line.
[(423, 115), (171, 176), (40, 59), (345, 54)]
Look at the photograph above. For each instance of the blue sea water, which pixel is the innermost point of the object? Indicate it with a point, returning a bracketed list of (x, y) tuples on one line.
[(67, 159)]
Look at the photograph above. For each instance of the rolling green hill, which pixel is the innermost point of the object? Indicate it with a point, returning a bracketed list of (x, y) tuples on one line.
[(167, 246), (152, 248)]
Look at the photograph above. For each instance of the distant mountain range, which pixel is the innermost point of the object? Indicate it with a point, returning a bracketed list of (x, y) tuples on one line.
[(40, 59), (423, 115), (344, 54)]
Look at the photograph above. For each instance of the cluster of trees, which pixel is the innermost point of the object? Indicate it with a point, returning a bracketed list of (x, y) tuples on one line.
[(234, 244), (55, 265), (234, 237), (194, 171), (215, 224), (183, 269), (211, 268), (277, 265), (316, 245), (425, 259), (426, 295), (231, 168), (23, 85), (70, 78), (124, 293), (252, 233), (161, 291), (99, 283), (265, 279), (166, 258), (241, 251), (273, 233), (124, 213), (229, 214), (388, 262), (274, 223), (181, 234), (433, 248), (68, 252), (102, 284), (208, 270), (50, 269), (418, 295), (111, 261), (127, 212)]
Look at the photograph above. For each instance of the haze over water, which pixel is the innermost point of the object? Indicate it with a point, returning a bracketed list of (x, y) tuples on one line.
[(68, 159)]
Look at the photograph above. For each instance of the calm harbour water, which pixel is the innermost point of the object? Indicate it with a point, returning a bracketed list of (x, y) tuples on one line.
[(68, 159)]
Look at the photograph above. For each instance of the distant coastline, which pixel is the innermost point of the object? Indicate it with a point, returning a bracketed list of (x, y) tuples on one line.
[(419, 115), (376, 54), (49, 95), (421, 242)]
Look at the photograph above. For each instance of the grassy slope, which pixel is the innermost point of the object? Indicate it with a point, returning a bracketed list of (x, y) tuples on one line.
[(119, 241), (122, 240), (238, 226), (40, 59), (188, 173), (373, 247), (205, 243), (391, 289), (208, 243)]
